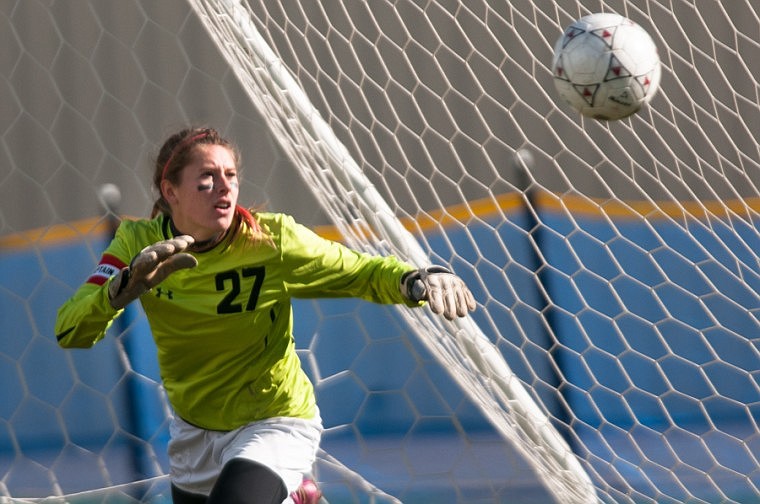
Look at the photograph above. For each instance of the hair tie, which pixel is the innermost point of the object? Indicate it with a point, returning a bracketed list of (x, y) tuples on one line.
[(183, 144)]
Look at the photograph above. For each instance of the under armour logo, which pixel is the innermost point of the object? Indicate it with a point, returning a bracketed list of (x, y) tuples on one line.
[(160, 292)]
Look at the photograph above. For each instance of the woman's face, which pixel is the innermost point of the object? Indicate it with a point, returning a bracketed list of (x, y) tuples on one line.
[(203, 203)]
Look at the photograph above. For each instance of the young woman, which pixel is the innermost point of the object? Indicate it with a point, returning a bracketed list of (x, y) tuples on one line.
[(216, 283)]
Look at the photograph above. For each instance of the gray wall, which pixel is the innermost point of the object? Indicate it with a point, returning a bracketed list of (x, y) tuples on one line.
[(91, 88)]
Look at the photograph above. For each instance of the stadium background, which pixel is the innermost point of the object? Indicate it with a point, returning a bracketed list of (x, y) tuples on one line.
[(90, 89)]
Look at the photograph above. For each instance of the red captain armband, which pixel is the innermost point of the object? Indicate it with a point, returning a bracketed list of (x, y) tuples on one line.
[(107, 267)]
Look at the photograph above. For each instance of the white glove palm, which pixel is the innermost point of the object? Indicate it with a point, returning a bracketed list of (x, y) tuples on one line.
[(445, 292), (149, 268)]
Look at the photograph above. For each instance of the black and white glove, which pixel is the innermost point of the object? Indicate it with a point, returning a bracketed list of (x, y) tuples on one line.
[(445, 292), (149, 268)]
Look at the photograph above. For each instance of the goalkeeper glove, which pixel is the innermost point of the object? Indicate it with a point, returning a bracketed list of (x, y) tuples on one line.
[(445, 292), (149, 268)]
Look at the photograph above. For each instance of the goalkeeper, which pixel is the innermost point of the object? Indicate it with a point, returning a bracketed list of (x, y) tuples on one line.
[(216, 282)]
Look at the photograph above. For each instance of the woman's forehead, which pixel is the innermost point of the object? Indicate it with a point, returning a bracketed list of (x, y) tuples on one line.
[(213, 155)]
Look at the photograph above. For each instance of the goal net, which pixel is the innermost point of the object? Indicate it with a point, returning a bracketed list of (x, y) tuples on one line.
[(614, 353)]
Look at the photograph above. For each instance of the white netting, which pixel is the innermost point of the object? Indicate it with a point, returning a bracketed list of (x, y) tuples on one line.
[(615, 264)]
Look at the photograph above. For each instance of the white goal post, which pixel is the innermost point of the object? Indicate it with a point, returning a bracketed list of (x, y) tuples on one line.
[(332, 173), (600, 178)]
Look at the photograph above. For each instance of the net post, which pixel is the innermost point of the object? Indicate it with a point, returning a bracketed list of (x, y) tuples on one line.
[(566, 476)]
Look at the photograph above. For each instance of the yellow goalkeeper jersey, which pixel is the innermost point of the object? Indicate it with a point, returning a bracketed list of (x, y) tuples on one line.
[(224, 329)]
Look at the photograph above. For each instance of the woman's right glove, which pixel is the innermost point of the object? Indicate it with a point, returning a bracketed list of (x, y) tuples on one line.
[(149, 268), (445, 292)]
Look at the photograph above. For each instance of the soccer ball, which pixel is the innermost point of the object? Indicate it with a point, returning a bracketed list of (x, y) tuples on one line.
[(606, 66)]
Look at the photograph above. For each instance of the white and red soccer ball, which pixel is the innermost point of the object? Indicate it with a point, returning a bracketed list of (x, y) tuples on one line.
[(606, 66)]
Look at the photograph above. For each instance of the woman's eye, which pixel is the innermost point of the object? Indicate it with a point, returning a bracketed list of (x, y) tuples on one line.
[(206, 182)]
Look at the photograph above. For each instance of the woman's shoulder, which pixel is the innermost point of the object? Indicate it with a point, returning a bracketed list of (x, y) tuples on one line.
[(272, 216), (150, 230), (274, 222), (283, 231)]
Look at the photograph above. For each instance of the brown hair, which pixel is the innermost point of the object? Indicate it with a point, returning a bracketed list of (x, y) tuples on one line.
[(175, 154)]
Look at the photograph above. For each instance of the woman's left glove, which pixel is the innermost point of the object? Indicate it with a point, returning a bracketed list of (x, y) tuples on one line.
[(445, 292)]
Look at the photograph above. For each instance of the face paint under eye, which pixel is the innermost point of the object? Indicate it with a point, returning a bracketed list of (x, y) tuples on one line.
[(208, 182)]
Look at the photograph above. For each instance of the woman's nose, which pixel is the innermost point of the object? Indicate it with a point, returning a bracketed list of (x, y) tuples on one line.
[(222, 184)]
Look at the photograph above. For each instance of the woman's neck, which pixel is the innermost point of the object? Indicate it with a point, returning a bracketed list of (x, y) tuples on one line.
[(199, 245)]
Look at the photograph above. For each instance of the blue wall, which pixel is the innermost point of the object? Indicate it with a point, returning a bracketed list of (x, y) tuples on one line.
[(652, 319), (643, 337)]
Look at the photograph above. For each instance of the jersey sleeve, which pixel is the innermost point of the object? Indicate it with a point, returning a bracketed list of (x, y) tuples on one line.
[(322, 268), (85, 317)]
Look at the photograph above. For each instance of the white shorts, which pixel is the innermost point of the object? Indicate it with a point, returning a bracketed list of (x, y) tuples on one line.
[(288, 446)]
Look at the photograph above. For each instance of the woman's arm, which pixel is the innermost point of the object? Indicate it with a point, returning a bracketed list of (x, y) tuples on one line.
[(84, 319)]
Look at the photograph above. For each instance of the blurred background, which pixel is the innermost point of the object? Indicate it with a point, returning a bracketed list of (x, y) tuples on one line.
[(614, 263)]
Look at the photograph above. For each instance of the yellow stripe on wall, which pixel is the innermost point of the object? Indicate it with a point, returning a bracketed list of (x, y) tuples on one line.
[(643, 209), (483, 208), (55, 233), (435, 219)]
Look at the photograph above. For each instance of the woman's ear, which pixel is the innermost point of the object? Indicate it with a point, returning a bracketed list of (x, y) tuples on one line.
[(168, 192)]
